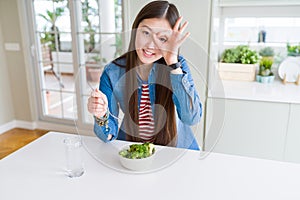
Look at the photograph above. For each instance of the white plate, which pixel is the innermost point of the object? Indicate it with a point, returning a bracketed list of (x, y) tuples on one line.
[(290, 68)]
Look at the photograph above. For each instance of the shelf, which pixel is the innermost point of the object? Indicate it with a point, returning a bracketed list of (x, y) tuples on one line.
[(255, 91), (257, 44)]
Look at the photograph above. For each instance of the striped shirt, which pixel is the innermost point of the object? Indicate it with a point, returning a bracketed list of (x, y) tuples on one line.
[(146, 121)]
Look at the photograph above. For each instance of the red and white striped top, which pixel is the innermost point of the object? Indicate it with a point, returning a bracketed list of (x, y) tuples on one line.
[(146, 121)]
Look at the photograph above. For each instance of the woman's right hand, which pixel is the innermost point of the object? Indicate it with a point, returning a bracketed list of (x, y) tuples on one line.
[(97, 103)]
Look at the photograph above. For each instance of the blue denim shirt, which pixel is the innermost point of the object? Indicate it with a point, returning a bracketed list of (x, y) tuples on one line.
[(185, 97)]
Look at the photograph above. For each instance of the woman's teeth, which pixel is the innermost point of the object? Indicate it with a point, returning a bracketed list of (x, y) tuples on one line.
[(148, 53)]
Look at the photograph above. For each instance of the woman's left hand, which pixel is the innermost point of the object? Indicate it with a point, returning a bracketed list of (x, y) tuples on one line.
[(170, 47)]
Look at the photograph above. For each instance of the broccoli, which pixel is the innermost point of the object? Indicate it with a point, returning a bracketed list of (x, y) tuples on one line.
[(138, 151)]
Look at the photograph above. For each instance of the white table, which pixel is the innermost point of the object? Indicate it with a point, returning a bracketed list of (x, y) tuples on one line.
[(36, 172)]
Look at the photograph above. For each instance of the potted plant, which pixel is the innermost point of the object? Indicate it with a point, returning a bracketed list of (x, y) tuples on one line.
[(267, 52), (265, 75), (94, 68), (293, 50), (238, 63)]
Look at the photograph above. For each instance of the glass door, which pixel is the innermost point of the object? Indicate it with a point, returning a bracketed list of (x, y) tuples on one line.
[(74, 40)]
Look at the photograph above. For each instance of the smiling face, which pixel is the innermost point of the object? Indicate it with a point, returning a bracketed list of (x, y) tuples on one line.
[(147, 50)]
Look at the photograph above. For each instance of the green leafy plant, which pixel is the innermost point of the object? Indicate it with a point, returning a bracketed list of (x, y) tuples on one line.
[(49, 35), (293, 50), (88, 12), (98, 59), (230, 56), (266, 52), (240, 54), (265, 66), (247, 56)]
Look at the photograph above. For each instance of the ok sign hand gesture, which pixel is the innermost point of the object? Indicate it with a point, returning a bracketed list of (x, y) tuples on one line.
[(169, 47)]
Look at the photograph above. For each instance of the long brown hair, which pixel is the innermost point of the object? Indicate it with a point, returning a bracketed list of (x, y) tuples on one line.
[(165, 125)]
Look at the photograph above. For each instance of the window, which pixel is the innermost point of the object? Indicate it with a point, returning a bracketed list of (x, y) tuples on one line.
[(247, 29)]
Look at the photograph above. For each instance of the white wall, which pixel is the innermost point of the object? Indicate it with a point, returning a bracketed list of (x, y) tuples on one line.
[(14, 64), (258, 2), (6, 107)]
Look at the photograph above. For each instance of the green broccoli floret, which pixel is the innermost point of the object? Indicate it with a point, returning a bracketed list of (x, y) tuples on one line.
[(124, 153), (138, 151)]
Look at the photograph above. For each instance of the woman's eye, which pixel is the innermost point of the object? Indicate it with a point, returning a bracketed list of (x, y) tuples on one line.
[(146, 33), (163, 40)]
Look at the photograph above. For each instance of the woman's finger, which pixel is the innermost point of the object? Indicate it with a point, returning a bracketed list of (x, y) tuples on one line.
[(176, 26), (93, 100), (100, 96), (184, 37), (96, 110), (183, 27), (104, 98), (99, 106), (99, 100), (157, 42), (95, 93)]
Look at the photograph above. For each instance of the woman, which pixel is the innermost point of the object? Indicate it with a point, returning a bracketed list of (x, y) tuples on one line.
[(151, 84)]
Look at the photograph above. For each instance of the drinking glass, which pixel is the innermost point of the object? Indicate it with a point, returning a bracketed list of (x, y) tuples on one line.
[(74, 161)]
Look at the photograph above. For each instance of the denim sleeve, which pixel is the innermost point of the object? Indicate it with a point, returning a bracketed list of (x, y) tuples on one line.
[(185, 96), (101, 131)]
